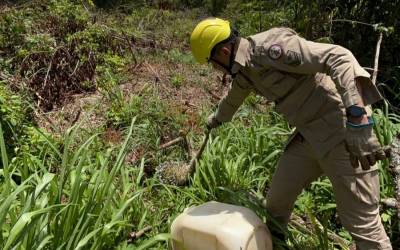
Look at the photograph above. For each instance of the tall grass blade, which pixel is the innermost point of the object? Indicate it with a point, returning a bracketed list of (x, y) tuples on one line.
[(4, 157), (87, 238), (45, 242), (19, 229), (151, 242), (5, 206)]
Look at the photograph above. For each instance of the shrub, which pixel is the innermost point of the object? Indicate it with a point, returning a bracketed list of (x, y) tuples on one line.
[(14, 116)]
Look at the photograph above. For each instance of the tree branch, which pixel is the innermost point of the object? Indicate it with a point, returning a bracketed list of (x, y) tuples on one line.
[(376, 61)]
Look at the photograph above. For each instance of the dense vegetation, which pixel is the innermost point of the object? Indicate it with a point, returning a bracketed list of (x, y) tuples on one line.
[(89, 90)]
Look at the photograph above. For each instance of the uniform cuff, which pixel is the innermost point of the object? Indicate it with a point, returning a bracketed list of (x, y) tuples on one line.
[(351, 97)]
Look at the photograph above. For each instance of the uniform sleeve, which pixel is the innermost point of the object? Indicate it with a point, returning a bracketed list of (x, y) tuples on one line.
[(232, 101), (285, 50)]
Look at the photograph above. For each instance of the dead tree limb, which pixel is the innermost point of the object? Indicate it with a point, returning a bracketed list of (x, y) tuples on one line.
[(376, 61), (172, 142), (134, 235)]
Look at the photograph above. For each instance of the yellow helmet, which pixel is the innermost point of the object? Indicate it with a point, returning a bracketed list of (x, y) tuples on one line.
[(206, 35)]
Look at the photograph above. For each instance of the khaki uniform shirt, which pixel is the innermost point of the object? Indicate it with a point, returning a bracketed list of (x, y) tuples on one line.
[(310, 83)]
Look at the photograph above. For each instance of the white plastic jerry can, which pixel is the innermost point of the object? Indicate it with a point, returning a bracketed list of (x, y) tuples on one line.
[(219, 226)]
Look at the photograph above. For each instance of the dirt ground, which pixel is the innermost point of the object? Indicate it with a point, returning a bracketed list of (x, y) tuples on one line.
[(197, 93)]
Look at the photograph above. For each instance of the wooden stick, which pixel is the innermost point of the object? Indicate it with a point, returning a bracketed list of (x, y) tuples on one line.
[(377, 51), (134, 235), (172, 142), (192, 164)]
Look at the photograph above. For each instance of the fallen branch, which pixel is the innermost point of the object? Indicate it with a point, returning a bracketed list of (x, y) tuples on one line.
[(171, 143), (135, 235)]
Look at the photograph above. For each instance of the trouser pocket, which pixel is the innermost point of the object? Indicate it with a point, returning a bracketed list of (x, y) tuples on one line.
[(364, 187)]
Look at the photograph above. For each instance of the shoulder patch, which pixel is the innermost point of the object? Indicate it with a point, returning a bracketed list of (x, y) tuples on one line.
[(275, 52), (293, 58)]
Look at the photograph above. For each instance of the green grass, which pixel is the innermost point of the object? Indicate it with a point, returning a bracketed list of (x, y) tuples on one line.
[(95, 199)]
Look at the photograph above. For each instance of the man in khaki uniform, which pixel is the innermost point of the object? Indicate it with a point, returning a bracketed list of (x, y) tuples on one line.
[(321, 90)]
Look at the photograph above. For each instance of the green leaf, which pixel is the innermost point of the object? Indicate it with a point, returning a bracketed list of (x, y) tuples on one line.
[(327, 207), (385, 217), (47, 178), (151, 242), (119, 214), (85, 240), (23, 222), (45, 242), (4, 157), (5, 206)]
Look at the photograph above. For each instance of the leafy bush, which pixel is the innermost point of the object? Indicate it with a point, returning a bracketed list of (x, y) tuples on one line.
[(12, 31), (14, 116), (81, 205)]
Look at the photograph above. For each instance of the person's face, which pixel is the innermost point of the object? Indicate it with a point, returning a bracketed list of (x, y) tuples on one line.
[(221, 57)]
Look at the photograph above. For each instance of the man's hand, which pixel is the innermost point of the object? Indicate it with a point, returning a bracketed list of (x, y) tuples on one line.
[(212, 122), (363, 145), (361, 141)]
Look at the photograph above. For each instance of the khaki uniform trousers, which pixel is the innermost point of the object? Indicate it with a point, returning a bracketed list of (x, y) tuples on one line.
[(356, 194)]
